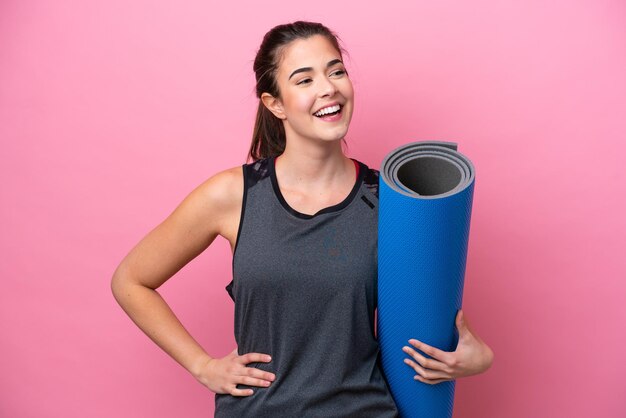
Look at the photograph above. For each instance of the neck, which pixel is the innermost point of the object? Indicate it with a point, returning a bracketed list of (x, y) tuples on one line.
[(314, 167)]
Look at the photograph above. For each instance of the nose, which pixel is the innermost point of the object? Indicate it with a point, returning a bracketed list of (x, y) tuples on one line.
[(327, 88)]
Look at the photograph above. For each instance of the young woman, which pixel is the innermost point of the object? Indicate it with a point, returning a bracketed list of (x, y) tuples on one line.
[(301, 219)]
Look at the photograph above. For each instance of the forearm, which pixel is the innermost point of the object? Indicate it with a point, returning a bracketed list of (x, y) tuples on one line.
[(153, 316)]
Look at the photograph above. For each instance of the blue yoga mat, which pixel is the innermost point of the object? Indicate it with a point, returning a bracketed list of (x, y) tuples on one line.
[(425, 204)]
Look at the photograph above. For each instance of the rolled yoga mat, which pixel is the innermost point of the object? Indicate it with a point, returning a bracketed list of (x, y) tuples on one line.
[(425, 203)]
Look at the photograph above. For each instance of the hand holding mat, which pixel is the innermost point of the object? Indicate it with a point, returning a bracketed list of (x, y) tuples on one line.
[(425, 203)]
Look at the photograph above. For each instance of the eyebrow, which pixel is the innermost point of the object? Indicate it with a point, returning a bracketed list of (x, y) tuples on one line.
[(304, 69)]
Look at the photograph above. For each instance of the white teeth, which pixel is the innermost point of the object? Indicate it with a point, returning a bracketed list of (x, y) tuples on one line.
[(327, 110)]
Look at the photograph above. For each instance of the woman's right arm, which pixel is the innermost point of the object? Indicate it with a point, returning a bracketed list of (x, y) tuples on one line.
[(206, 212)]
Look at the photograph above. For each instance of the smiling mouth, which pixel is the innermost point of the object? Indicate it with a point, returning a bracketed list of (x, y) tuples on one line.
[(331, 111)]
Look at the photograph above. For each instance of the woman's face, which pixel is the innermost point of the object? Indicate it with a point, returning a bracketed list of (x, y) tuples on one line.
[(311, 78)]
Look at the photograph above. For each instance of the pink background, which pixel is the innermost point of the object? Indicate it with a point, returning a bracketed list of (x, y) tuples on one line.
[(111, 112)]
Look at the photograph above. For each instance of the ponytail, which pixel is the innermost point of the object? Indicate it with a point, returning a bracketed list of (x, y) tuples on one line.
[(268, 137)]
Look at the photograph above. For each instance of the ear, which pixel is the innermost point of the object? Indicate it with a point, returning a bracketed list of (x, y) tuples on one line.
[(274, 105)]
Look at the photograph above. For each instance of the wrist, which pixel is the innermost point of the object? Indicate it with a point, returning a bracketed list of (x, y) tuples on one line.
[(199, 365)]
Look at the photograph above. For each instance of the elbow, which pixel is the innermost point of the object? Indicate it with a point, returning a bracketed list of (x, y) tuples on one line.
[(119, 284), (126, 286)]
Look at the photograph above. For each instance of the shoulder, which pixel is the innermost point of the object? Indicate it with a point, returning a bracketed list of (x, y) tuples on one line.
[(214, 203), (226, 187), (223, 193), (256, 170), (370, 179), (223, 189)]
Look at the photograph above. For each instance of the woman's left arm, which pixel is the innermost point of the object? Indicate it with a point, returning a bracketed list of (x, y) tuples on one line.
[(472, 356)]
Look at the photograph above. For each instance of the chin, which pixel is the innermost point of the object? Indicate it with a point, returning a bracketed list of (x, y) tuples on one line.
[(338, 136)]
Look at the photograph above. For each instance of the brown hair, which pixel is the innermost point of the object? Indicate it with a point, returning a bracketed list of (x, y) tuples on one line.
[(268, 137)]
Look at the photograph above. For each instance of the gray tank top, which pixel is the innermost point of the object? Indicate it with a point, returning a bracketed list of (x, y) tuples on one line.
[(304, 288)]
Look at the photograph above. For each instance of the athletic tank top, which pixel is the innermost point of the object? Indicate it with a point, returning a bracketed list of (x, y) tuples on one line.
[(305, 291)]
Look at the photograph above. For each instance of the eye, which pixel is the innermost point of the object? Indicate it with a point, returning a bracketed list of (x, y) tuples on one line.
[(305, 81), (339, 72)]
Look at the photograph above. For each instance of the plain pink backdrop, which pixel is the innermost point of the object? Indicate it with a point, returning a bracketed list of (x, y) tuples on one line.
[(111, 112)]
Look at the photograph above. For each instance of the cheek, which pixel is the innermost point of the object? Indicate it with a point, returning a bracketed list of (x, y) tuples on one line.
[(303, 103), (349, 90)]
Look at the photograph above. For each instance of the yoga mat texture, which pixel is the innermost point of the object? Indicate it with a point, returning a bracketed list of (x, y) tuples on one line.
[(425, 204)]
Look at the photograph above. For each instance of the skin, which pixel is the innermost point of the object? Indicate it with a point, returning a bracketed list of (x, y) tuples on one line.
[(313, 173)]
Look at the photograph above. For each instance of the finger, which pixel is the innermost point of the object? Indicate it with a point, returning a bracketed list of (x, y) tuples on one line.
[(436, 353), (427, 374), (251, 381), (462, 324), (426, 362), (466, 332), (241, 392), (254, 358), (460, 320), (431, 382), (260, 374), (462, 317)]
